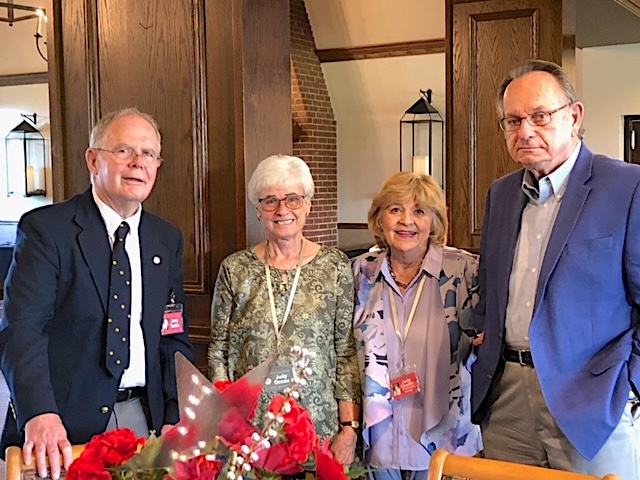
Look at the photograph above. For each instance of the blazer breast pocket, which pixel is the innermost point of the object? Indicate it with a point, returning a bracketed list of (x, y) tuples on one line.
[(590, 245)]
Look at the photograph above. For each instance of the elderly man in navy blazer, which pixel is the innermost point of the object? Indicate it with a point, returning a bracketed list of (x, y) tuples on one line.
[(556, 380), (73, 371)]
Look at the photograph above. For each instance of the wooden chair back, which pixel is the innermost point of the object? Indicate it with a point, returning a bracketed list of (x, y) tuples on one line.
[(18, 470), (444, 465)]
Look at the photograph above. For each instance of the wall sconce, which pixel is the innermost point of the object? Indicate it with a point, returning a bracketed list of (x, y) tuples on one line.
[(36, 12), (422, 139), (26, 160)]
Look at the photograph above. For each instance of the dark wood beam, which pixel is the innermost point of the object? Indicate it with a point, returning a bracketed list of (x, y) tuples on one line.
[(400, 49), (352, 226), (23, 79)]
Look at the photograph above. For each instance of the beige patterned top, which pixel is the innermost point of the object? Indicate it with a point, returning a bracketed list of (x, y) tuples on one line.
[(242, 331)]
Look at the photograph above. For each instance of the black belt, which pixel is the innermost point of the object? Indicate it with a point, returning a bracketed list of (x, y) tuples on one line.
[(523, 357), (125, 394)]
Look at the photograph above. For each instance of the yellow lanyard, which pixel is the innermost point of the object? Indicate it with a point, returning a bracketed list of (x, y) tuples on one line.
[(402, 336), (294, 286)]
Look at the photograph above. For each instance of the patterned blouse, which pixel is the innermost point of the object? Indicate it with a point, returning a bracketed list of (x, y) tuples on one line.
[(242, 330), (442, 413)]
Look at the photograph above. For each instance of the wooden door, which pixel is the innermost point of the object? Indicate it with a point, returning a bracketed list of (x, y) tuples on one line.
[(486, 39), (632, 139)]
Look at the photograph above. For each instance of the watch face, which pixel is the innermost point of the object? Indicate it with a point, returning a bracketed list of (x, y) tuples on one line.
[(351, 423)]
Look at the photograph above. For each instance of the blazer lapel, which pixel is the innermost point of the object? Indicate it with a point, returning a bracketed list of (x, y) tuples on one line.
[(570, 210), (94, 244), (154, 261)]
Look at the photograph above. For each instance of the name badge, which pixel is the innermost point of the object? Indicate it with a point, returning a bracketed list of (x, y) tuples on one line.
[(172, 320), (404, 383), (279, 378)]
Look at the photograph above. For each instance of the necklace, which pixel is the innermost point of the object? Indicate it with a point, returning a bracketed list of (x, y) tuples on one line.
[(283, 278), (393, 275), (282, 275)]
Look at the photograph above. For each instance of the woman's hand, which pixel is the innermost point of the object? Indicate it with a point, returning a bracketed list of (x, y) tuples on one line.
[(344, 446)]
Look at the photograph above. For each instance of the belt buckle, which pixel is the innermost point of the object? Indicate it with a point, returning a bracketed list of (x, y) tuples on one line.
[(520, 360)]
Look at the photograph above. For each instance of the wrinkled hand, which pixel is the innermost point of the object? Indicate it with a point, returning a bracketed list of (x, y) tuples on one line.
[(46, 437), (344, 446)]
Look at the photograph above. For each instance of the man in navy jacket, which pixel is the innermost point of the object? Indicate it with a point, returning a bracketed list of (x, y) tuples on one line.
[(556, 380), (54, 329)]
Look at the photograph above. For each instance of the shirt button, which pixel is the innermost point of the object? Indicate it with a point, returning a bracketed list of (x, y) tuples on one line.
[(104, 409), (534, 270), (526, 337), (545, 205), (528, 304), (538, 237)]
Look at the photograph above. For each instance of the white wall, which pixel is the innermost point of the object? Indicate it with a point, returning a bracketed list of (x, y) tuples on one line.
[(609, 89), (369, 97), (14, 100)]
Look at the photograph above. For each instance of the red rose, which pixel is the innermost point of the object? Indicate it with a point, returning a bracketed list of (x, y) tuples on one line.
[(197, 468), (222, 385), (106, 450)]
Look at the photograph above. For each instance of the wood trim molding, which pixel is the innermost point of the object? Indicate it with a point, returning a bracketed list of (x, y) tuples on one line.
[(352, 226), (385, 50), (24, 79)]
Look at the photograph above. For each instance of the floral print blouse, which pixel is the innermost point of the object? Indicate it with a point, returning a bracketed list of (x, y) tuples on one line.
[(446, 421), (242, 330)]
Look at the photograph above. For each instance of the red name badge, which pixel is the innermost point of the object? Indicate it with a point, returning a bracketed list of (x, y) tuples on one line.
[(172, 321), (404, 385)]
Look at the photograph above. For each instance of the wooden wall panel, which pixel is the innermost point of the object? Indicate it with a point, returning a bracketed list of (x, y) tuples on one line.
[(215, 75), (488, 38)]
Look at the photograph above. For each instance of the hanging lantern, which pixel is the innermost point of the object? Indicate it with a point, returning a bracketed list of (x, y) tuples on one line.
[(26, 160), (422, 139)]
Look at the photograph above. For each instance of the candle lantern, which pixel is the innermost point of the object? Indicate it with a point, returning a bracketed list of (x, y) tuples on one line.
[(422, 139), (26, 160)]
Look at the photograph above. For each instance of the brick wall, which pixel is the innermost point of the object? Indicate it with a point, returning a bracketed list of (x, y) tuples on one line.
[(311, 109)]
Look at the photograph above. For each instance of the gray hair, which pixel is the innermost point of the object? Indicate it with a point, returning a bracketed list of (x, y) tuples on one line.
[(534, 65), (280, 171), (98, 132)]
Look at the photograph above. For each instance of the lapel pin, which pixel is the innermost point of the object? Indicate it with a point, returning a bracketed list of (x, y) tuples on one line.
[(156, 260)]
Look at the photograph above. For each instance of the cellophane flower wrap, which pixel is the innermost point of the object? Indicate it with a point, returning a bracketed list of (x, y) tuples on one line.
[(216, 438)]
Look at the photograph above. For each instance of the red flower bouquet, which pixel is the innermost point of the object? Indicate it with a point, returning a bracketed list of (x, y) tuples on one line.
[(215, 438)]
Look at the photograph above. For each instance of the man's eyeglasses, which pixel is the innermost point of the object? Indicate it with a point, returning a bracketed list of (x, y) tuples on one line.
[(535, 119), (271, 203), (125, 153)]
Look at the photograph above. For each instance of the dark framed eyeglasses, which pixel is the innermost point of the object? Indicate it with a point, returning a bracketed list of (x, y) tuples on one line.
[(125, 153), (292, 201), (539, 118)]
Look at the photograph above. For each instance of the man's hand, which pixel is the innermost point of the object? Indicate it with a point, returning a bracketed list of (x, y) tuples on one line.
[(46, 437), (344, 446)]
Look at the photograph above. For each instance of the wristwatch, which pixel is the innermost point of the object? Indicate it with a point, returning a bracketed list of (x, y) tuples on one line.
[(355, 424)]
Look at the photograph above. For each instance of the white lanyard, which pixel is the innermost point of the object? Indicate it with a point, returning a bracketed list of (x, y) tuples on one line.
[(402, 336), (294, 286)]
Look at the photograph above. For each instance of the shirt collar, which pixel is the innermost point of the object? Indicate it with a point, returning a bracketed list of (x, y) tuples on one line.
[(112, 219), (553, 184), (431, 264)]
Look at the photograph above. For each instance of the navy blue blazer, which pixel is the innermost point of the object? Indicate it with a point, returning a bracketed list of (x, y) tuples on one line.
[(585, 331), (52, 334)]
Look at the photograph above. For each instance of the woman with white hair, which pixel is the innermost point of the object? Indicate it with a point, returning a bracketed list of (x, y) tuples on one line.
[(290, 291)]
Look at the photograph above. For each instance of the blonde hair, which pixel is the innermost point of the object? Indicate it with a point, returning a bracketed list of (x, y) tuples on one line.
[(418, 187)]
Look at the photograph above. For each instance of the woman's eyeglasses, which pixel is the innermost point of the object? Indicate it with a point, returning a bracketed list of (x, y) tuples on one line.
[(291, 201)]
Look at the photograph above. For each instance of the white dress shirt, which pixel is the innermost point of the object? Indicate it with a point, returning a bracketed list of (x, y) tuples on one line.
[(134, 376)]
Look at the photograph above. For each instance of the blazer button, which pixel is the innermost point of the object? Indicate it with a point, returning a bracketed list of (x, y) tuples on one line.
[(104, 409), (489, 376)]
